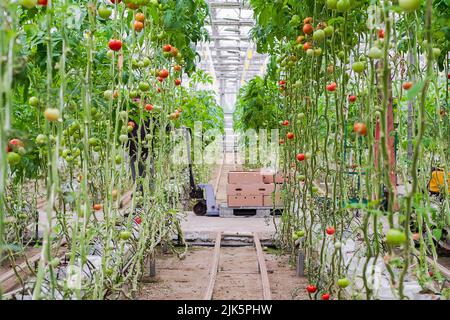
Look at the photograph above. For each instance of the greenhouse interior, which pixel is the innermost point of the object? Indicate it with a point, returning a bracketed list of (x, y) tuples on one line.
[(224, 150)]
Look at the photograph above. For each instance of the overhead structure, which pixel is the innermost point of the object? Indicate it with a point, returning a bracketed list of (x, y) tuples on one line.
[(230, 56)]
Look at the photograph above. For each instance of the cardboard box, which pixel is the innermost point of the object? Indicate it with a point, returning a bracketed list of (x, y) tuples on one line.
[(249, 189), (269, 178), (268, 201), (244, 177), (245, 201)]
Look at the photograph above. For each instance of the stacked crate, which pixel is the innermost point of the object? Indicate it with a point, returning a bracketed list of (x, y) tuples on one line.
[(253, 189)]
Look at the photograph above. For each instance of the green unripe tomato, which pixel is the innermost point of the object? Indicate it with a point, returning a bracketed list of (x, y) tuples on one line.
[(309, 53), (343, 5), (328, 31), (133, 94), (332, 4), (409, 5), (23, 216), (301, 177), (13, 158), (125, 235), (436, 53), (300, 233), (118, 159), (123, 138), (104, 12), (341, 55), (123, 115), (359, 67), (319, 35), (65, 153), (337, 245), (110, 54), (146, 61), (375, 53), (108, 94), (76, 152), (41, 139), (93, 142), (343, 282), (144, 86), (295, 19), (395, 237), (314, 189), (29, 4), (33, 101)]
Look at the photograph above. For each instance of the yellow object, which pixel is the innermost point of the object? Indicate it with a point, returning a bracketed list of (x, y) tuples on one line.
[(436, 184)]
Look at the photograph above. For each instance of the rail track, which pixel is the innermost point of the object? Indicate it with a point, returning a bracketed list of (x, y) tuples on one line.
[(215, 267)]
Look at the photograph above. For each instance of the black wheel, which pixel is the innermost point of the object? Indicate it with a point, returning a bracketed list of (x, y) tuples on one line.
[(200, 208)]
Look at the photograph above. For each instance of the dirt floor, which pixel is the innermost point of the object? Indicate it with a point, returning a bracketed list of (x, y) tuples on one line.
[(237, 278)]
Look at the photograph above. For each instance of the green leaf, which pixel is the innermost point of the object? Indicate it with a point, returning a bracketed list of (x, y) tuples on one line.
[(437, 234), (414, 91)]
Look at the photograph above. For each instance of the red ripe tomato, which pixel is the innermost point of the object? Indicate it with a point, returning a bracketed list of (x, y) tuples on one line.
[(332, 87), (381, 33), (300, 157), (407, 85), (177, 67), (16, 143), (326, 296), (131, 124), (139, 17), (8, 149), (114, 1), (330, 231), (307, 46), (300, 39), (177, 82), (311, 288), (138, 26), (160, 79), (43, 2), (159, 90), (290, 135), (448, 76), (308, 28), (352, 98), (360, 128), (115, 44), (167, 48), (307, 20), (138, 220), (430, 273), (163, 73), (132, 6), (174, 52), (282, 82), (281, 142), (97, 207), (148, 107), (285, 123)]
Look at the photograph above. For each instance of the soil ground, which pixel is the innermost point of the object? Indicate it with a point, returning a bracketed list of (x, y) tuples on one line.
[(237, 278)]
